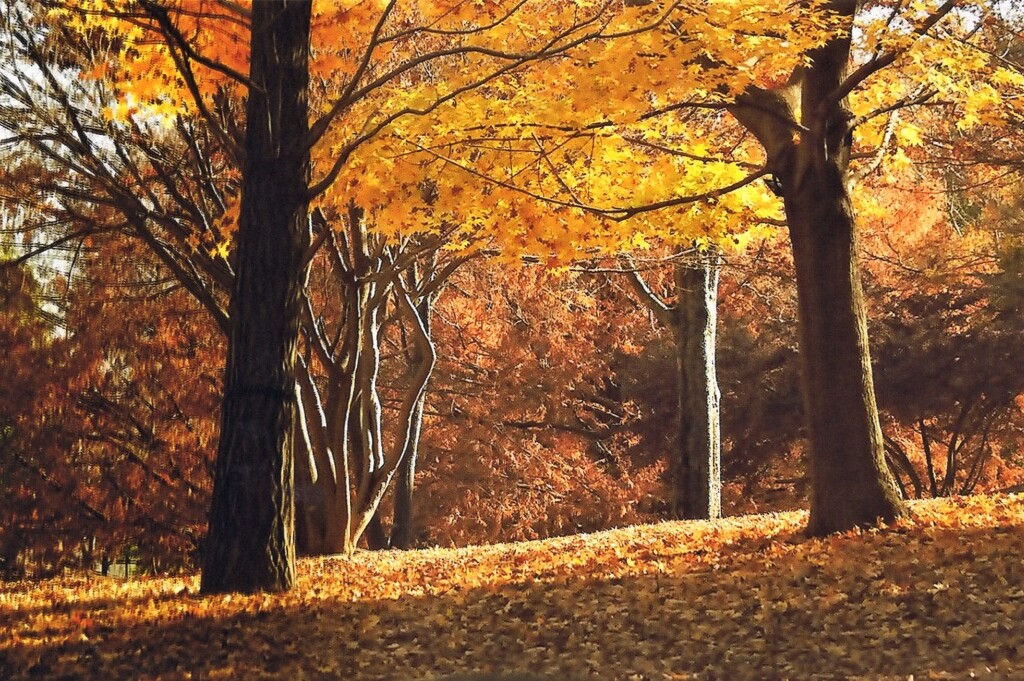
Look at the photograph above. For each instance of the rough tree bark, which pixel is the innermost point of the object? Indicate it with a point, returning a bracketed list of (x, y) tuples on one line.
[(809, 153), (250, 546), (851, 483)]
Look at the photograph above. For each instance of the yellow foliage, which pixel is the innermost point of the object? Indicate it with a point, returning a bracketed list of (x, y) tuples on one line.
[(549, 157)]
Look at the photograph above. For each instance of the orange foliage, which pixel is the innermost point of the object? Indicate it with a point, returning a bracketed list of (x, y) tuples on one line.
[(527, 433), (111, 433), (947, 376), (532, 417)]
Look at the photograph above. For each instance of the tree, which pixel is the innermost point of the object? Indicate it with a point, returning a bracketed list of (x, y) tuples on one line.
[(375, 94), (29, 488), (367, 291), (384, 147), (250, 545), (693, 319), (803, 119), (947, 287), (534, 426), (186, 221), (807, 130), (832, 386), (112, 405), (851, 483)]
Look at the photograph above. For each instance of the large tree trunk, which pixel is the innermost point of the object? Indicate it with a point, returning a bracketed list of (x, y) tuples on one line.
[(698, 475), (805, 128), (250, 546), (852, 485)]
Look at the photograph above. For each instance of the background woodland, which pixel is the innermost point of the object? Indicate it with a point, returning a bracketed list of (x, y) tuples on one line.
[(526, 369)]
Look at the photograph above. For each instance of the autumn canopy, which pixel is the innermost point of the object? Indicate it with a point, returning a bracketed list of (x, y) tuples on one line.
[(291, 278)]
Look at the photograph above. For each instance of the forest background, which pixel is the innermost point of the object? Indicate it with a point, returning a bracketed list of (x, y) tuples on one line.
[(552, 405)]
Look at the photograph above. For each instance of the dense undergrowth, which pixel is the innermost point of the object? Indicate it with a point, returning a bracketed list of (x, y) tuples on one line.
[(940, 595)]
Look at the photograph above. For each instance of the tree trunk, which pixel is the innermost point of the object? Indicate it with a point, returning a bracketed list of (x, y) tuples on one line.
[(806, 130), (377, 538), (696, 467), (402, 530), (321, 510), (698, 475), (250, 546), (852, 485)]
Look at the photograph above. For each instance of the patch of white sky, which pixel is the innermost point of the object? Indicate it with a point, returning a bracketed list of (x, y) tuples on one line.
[(902, 18), (22, 229)]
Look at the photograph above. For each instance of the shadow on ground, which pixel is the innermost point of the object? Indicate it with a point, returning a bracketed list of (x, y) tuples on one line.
[(892, 604)]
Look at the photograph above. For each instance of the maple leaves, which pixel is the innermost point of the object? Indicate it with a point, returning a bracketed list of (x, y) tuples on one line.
[(747, 598), (407, 91), (390, 60), (559, 160)]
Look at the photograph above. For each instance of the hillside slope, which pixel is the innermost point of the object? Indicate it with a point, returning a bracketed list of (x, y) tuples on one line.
[(939, 596)]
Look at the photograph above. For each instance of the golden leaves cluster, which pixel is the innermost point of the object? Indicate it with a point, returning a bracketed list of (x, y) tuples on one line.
[(447, 124)]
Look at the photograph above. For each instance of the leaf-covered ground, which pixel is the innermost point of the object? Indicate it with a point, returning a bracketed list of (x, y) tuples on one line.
[(939, 596)]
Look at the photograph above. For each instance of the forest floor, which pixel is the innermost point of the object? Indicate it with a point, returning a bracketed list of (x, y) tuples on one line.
[(940, 595)]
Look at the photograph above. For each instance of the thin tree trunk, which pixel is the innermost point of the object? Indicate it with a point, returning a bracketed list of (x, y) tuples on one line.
[(320, 511), (370, 497), (693, 319), (957, 441), (898, 458), (402, 530), (250, 546), (698, 478), (929, 462), (980, 460)]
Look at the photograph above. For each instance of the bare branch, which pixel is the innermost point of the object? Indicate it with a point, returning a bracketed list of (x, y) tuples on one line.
[(880, 61), (666, 314)]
